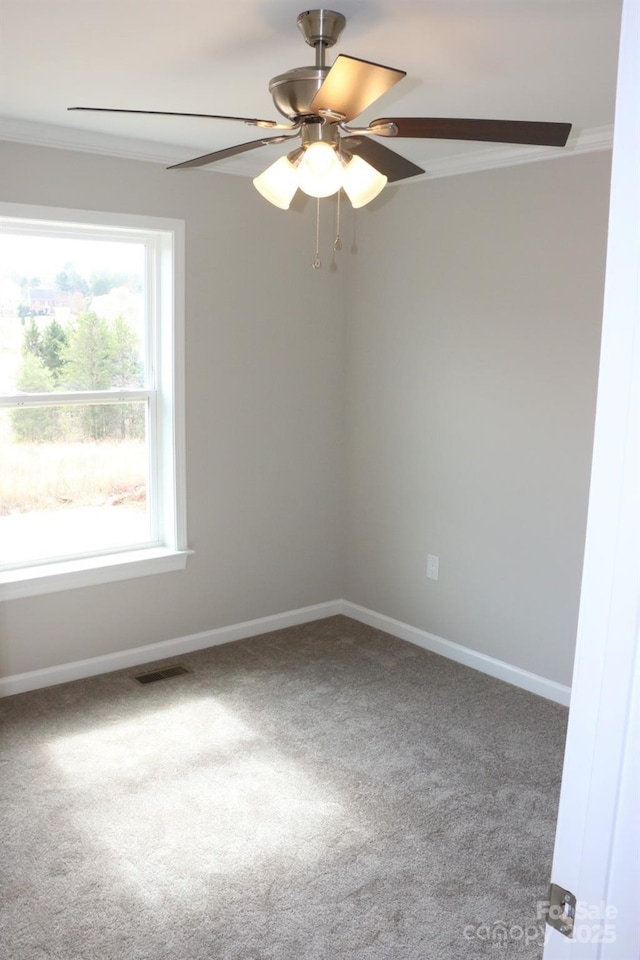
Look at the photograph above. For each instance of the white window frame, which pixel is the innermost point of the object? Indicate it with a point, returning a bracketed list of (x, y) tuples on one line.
[(167, 474)]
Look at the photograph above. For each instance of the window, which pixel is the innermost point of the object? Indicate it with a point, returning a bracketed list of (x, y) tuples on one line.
[(91, 398)]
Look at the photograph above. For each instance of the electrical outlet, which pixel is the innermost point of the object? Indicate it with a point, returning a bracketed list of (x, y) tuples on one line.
[(433, 567)]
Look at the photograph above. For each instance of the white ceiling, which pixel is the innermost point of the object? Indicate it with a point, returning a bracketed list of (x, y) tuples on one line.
[(495, 59)]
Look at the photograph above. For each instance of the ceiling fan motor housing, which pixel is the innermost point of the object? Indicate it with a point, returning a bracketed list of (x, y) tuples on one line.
[(294, 90)]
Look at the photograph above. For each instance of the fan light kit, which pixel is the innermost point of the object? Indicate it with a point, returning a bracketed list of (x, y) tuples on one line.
[(320, 170), (319, 103)]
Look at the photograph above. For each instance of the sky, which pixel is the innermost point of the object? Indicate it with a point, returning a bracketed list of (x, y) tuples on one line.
[(44, 257)]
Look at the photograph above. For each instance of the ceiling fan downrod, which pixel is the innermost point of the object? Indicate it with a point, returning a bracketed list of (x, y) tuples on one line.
[(321, 29)]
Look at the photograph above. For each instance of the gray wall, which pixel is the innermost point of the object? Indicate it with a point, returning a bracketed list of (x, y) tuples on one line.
[(471, 309), (473, 341), (265, 406)]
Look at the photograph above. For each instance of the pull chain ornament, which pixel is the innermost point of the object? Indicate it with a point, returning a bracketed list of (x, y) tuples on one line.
[(317, 262), (337, 243)]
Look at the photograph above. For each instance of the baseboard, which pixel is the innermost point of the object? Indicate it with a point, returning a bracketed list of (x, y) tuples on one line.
[(79, 669), (549, 689)]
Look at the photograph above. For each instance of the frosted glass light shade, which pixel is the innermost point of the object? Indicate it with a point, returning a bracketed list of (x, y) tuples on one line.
[(362, 182), (278, 183), (320, 171)]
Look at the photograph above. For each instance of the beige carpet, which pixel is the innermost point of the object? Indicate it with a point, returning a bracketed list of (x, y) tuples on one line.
[(318, 793)]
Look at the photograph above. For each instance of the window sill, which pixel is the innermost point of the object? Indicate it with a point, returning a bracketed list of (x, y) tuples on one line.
[(70, 574)]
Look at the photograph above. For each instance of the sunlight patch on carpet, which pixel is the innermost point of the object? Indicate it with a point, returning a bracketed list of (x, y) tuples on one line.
[(187, 793)]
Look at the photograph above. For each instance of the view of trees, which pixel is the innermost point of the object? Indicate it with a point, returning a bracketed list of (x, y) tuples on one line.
[(100, 282), (88, 354), (74, 453)]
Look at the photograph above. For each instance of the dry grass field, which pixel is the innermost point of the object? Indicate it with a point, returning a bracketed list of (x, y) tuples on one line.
[(52, 476)]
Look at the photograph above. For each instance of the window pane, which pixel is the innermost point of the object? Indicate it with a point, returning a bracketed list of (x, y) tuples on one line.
[(73, 480), (72, 314)]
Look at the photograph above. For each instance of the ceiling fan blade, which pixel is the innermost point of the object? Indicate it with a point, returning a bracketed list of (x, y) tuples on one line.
[(352, 84), (227, 152), (494, 131), (170, 113), (388, 162)]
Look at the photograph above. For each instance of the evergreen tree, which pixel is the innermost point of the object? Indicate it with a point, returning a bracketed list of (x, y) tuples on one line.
[(32, 340), (127, 372), (125, 360), (54, 340), (33, 376), (87, 366), (35, 424), (87, 354)]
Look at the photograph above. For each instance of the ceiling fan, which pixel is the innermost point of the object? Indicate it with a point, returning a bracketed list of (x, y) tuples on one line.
[(320, 102)]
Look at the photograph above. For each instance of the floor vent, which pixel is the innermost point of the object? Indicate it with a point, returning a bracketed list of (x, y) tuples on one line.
[(165, 674)]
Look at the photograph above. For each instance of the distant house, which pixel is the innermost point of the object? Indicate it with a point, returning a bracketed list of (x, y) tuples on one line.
[(43, 301)]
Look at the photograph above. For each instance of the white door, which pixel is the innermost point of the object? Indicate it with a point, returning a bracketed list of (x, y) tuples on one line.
[(597, 850)]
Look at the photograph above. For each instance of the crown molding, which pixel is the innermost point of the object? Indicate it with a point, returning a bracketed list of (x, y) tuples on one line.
[(85, 141), (68, 138)]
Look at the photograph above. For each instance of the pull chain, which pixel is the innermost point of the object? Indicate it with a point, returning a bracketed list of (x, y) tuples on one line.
[(317, 262), (337, 243)]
